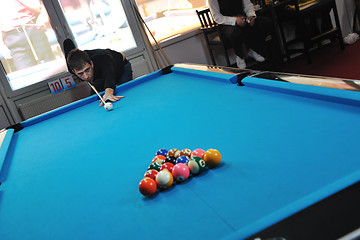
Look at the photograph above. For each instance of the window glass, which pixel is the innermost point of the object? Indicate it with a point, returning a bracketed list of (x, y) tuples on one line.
[(98, 24), (29, 50), (167, 18)]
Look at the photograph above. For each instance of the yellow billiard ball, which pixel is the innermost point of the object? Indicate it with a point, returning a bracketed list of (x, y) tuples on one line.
[(164, 178), (212, 158)]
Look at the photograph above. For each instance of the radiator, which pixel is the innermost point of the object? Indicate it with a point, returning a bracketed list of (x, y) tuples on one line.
[(50, 102)]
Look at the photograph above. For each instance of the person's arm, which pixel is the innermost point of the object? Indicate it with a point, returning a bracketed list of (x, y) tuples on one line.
[(249, 10), (4, 50), (109, 77), (33, 5), (218, 17)]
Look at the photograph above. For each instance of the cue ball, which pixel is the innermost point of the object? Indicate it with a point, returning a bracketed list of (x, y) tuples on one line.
[(108, 106)]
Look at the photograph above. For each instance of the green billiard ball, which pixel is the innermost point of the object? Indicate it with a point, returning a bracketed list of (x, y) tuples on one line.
[(155, 165), (196, 165)]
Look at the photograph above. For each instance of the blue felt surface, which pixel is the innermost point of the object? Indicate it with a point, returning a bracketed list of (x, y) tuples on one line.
[(281, 153)]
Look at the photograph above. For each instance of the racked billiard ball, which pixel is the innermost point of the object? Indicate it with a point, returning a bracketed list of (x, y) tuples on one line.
[(182, 159), (147, 186), (164, 179), (161, 151), (198, 153), (171, 159), (185, 152), (155, 165), (168, 166), (180, 172), (212, 157), (159, 158), (151, 173), (196, 165), (173, 152)]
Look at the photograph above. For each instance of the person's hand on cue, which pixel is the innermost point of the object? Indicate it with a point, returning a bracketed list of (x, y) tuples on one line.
[(109, 95)]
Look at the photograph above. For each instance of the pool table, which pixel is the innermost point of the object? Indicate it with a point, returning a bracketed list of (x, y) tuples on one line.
[(74, 172)]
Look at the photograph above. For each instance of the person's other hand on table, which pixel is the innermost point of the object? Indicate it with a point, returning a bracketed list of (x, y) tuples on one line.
[(109, 95)]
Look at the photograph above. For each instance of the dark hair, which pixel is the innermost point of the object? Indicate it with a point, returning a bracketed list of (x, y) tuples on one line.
[(77, 59), (68, 46)]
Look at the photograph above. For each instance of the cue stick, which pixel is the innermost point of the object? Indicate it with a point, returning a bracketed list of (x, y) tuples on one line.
[(158, 63), (156, 43), (93, 88)]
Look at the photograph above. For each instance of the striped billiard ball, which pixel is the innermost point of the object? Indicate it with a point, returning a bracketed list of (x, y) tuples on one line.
[(151, 173), (155, 165), (164, 179), (185, 152), (173, 152)]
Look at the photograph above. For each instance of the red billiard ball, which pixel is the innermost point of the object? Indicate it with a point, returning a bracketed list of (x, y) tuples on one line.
[(164, 179), (169, 166), (151, 173), (180, 172), (212, 158), (147, 186), (198, 153)]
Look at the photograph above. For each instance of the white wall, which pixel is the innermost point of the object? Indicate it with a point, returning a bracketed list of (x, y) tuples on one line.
[(188, 48)]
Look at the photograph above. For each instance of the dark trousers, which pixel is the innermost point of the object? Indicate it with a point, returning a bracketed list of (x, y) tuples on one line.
[(243, 38)]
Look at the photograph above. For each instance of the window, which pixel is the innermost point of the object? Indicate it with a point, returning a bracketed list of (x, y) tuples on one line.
[(98, 24), (168, 18), (29, 51)]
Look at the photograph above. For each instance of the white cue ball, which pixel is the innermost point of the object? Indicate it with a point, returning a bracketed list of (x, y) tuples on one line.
[(108, 106)]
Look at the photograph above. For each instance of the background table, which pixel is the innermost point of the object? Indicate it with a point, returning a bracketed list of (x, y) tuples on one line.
[(73, 173)]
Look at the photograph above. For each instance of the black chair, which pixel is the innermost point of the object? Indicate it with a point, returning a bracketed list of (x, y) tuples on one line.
[(305, 16), (213, 39)]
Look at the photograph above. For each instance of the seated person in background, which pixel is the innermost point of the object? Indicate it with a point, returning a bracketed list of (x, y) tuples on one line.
[(103, 68), (239, 25)]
